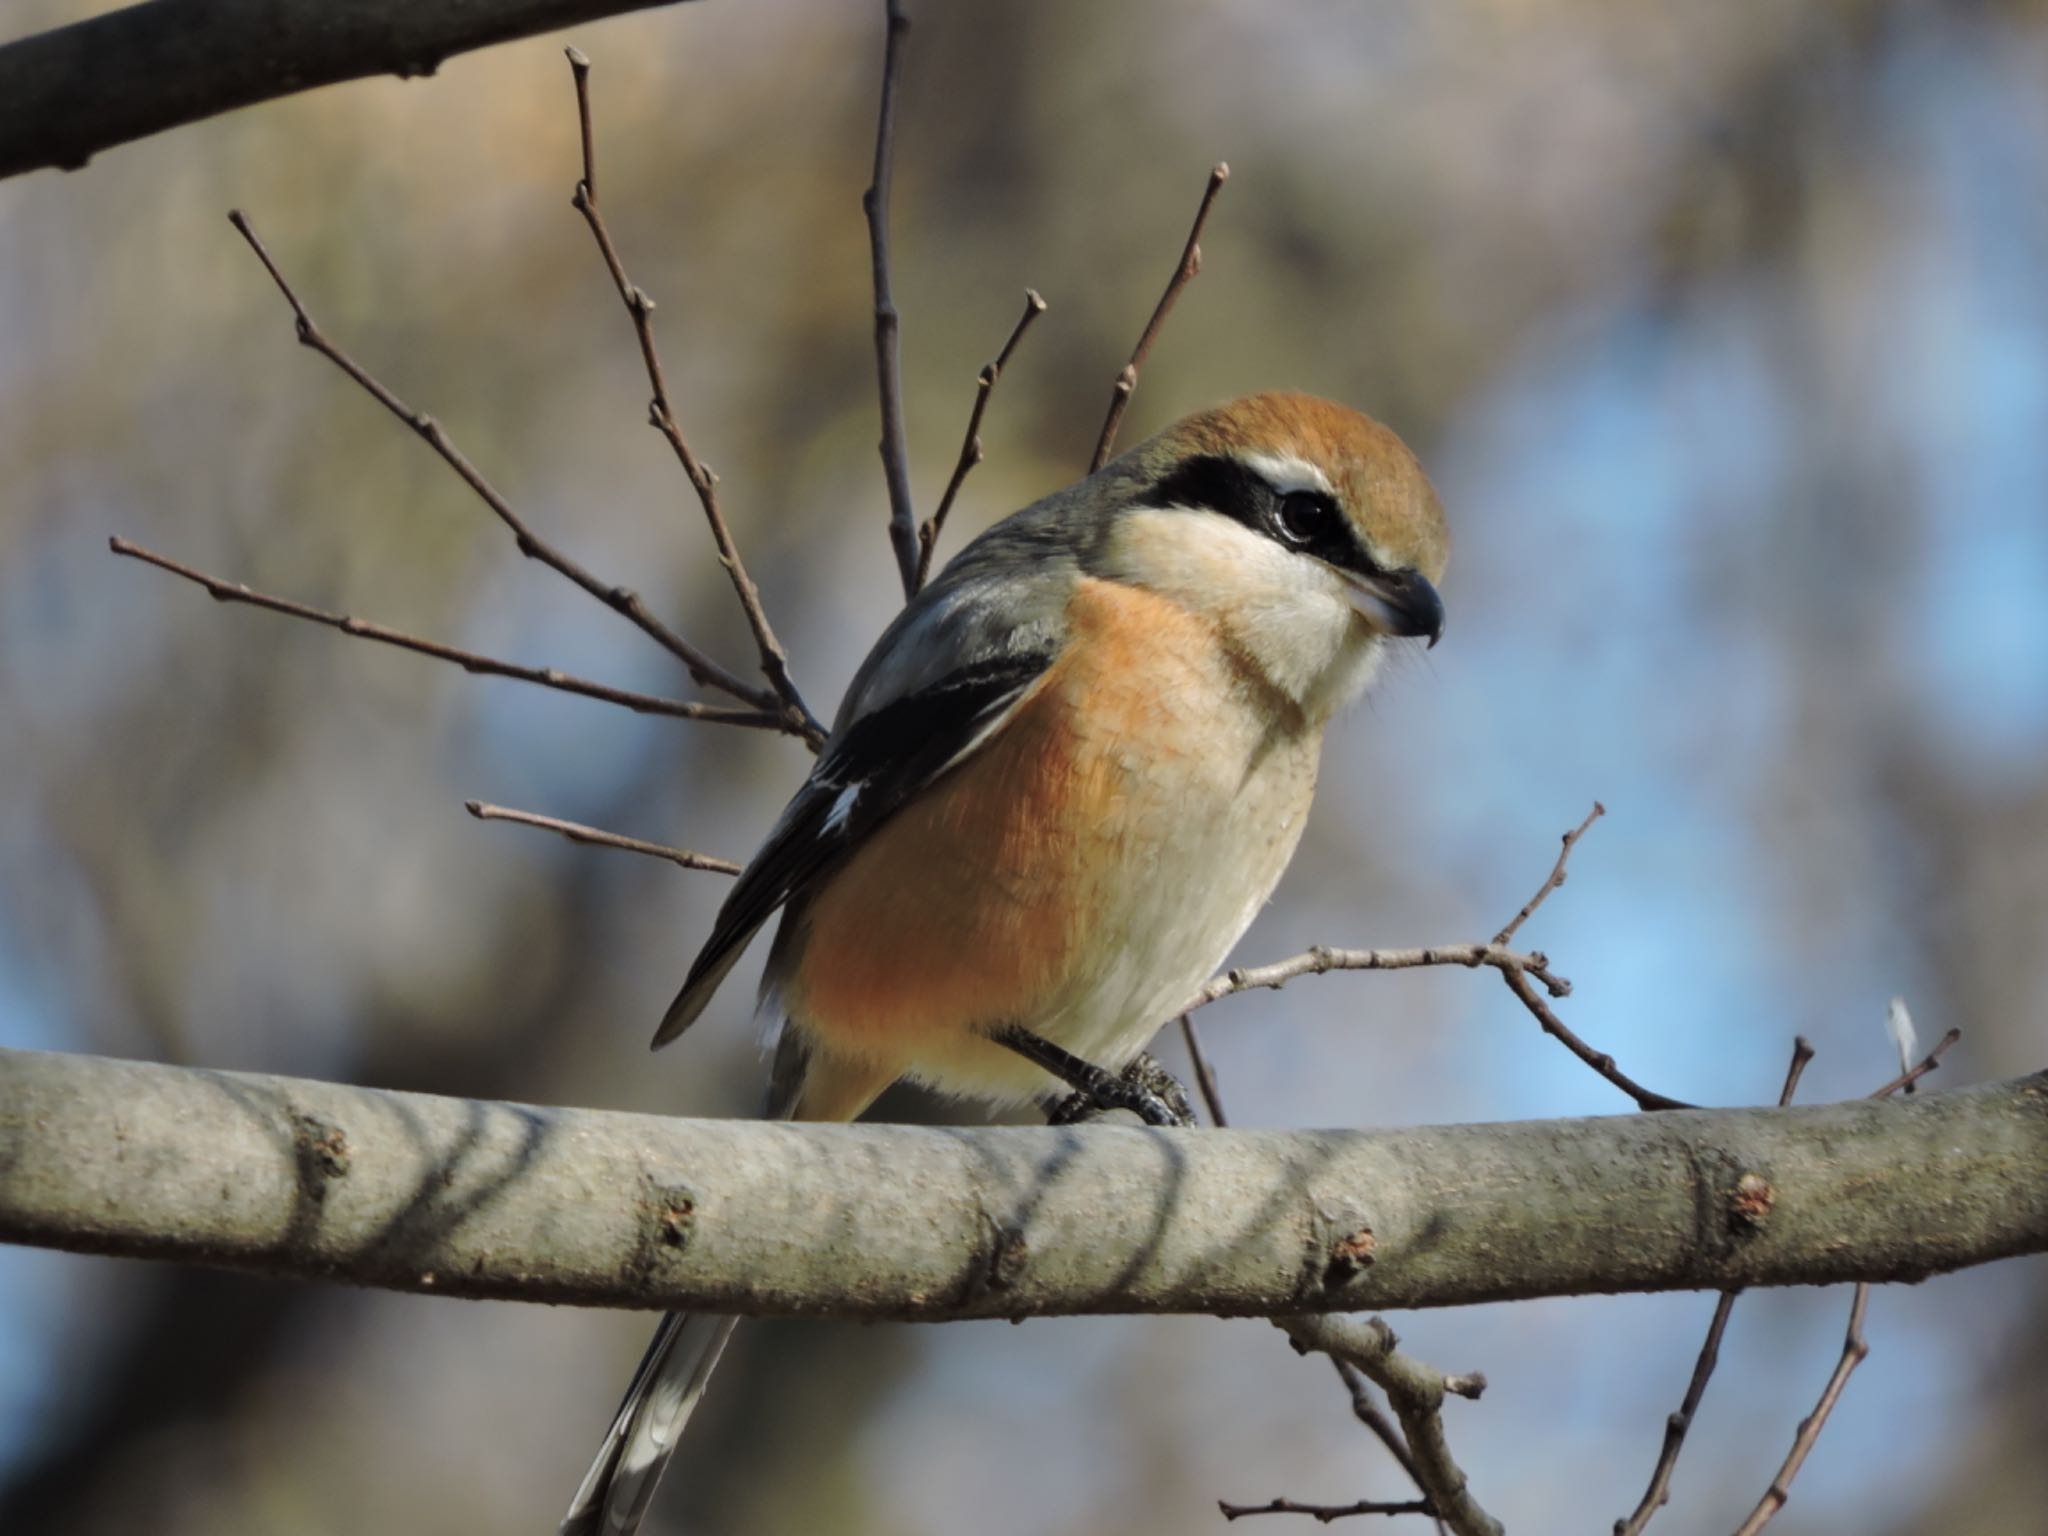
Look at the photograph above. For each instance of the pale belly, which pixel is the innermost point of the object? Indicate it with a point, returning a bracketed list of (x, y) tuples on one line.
[(1081, 876)]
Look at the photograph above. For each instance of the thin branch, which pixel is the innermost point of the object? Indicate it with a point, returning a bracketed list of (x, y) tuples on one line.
[(1802, 1053), (1417, 1392), (970, 447), (1325, 1513), (455, 1197), (597, 837), (1658, 1493), (661, 416), (888, 325), (702, 668), (1383, 1429), (1557, 875), (1602, 1063), (1205, 1075), (1183, 274), (1362, 1406), (469, 661), (1324, 958), (1516, 968), (69, 93), (1854, 1348), (1921, 1068)]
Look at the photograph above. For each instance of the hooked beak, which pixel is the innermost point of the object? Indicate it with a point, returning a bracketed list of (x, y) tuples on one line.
[(1399, 603)]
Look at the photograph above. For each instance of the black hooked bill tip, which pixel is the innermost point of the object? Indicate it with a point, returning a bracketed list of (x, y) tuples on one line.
[(1403, 603)]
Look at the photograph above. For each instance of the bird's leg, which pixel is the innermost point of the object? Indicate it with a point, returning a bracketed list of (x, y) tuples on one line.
[(1138, 1089)]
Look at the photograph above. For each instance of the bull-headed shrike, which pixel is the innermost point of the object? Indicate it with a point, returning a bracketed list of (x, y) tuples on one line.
[(1058, 789)]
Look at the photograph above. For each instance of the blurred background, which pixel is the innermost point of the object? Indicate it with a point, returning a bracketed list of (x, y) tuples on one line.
[(1724, 331)]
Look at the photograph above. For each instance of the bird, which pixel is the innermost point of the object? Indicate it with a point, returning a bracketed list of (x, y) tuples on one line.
[(1057, 791)]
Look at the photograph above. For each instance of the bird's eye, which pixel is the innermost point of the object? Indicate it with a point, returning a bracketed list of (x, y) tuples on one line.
[(1307, 518)]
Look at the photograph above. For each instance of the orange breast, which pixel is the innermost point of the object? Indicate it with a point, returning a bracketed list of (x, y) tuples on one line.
[(974, 905)]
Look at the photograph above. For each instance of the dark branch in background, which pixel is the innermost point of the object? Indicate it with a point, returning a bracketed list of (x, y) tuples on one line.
[(469, 661), (661, 416), (597, 837), (888, 327), (970, 447), (457, 1197), (701, 667), (69, 93), (1190, 264)]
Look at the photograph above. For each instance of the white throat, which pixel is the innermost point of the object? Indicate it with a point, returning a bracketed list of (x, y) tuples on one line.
[(1286, 614)]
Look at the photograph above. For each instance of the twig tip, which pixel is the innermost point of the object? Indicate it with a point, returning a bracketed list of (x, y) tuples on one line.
[(578, 59)]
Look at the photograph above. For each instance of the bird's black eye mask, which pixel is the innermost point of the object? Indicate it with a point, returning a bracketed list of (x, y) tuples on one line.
[(1304, 520)]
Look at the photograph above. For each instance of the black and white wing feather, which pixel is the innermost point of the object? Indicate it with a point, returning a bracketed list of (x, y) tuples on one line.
[(940, 682)]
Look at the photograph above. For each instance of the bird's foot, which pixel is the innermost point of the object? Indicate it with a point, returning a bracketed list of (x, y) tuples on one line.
[(1144, 1087)]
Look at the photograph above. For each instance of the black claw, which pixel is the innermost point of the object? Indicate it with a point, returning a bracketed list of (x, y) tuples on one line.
[(1144, 1088)]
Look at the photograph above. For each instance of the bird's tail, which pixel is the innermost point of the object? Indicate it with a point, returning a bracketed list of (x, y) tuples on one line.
[(658, 1403), (666, 1388)]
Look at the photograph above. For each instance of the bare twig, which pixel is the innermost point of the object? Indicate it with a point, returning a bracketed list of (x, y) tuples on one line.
[(597, 837), (1517, 968), (1802, 1053), (1416, 1392), (1205, 1075), (1183, 274), (661, 416), (1921, 1068), (1659, 1492), (1325, 1513), (1363, 1408), (970, 447), (1602, 1063), (1557, 875), (1854, 1348), (1324, 958), (469, 661), (888, 325), (1384, 1429), (702, 668)]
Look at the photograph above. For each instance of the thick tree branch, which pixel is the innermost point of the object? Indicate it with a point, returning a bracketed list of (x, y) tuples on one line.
[(69, 93), (478, 1199)]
